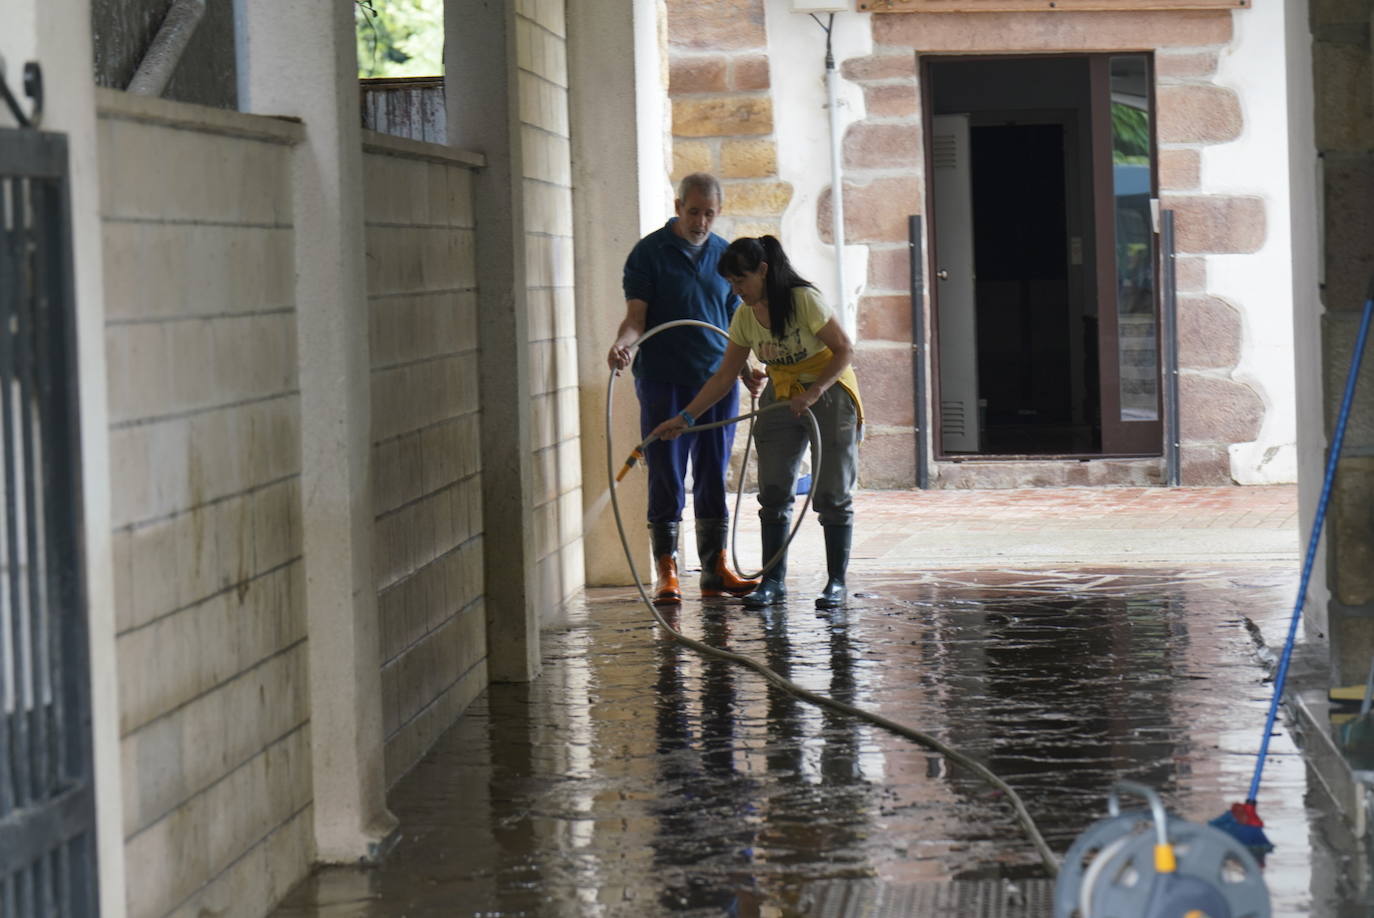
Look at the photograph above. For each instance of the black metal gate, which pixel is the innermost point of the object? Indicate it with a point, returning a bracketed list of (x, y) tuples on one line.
[(47, 809)]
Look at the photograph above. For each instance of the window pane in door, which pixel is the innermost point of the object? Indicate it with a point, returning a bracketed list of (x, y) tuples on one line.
[(1137, 340)]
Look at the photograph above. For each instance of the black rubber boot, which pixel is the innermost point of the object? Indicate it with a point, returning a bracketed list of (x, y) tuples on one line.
[(837, 542), (772, 589), (717, 580), (663, 537)]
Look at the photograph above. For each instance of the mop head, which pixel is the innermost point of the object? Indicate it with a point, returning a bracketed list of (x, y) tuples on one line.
[(1244, 825)]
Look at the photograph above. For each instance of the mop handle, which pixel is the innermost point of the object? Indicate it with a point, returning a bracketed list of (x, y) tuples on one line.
[(1337, 440)]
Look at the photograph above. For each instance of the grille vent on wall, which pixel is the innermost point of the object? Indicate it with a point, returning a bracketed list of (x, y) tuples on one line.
[(952, 418), (945, 151)]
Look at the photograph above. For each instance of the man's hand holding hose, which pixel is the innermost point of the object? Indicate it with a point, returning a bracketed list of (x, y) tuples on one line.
[(618, 358), (630, 331)]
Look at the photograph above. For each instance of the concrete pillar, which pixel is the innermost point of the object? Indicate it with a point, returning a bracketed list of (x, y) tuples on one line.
[(620, 193), (1307, 302), (299, 59), (56, 33), (1343, 123), (483, 102)]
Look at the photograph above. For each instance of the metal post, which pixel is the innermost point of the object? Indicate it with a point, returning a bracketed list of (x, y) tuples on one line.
[(1169, 334), (918, 347)]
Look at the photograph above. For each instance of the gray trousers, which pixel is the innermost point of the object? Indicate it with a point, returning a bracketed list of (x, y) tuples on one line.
[(782, 440)]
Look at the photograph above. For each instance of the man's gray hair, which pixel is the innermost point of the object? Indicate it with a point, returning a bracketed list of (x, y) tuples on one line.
[(703, 183)]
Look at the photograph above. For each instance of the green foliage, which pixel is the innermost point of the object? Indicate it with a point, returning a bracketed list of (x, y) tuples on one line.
[(1130, 135), (400, 38)]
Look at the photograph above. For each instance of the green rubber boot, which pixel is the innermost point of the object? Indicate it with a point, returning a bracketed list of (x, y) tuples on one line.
[(837, 542), (772, 589)]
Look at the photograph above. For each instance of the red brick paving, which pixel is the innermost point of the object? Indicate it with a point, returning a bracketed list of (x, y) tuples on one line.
[(897, 529)]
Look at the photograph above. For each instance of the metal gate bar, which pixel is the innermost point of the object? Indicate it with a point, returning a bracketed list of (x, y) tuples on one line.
[(47, 851), (1168, 287), (919, 346)]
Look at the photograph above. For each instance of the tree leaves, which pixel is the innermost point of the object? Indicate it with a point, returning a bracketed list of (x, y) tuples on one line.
[(1130, 135), (400, 38)]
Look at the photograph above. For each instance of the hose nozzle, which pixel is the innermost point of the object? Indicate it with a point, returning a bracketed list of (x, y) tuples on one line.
[(635, 455)]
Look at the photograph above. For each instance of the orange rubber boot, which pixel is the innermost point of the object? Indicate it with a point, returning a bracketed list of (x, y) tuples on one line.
[(663, 538), (717, 580), (667, 592)]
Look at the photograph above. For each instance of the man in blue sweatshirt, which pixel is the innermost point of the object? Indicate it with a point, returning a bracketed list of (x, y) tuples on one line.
[(671, 274)]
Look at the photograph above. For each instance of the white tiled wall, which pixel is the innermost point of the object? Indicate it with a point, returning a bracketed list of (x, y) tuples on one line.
[(541, 50), (426, 450), (205, 454)]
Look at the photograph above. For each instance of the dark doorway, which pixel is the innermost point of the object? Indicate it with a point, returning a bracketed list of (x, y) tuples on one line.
[(1025, 332), (1041, 173)]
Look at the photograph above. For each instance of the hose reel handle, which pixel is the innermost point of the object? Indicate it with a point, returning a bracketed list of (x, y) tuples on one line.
[(1161, 818)]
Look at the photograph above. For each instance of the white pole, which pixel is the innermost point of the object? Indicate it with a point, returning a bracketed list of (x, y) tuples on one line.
[(832, 79)]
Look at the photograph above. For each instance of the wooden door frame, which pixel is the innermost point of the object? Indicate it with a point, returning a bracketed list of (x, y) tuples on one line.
[(932, 254), (1129, 443), (1122, 438)]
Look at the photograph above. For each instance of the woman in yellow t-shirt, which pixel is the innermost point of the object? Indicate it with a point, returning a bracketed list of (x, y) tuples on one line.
[(784, 322)]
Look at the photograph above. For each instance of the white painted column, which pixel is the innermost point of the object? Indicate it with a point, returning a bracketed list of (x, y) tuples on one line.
[(483, 111), (620, 193), (1305, 195), (802, 123), (56, 33), (300, 59)]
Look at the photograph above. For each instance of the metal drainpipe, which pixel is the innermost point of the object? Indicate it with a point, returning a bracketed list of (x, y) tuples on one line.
[(832, 80), (165, 53)]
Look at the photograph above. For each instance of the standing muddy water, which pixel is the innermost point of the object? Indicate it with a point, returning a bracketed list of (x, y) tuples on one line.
[(636, 778)]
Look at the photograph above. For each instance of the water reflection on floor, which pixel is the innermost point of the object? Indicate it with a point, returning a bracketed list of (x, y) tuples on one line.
[(636, 778)]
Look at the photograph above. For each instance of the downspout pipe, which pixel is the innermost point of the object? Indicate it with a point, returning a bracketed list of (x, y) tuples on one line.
[(160, 62), (832, 81)]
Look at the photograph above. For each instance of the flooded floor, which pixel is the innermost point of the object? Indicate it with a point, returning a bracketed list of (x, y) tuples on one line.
[(636, 778)]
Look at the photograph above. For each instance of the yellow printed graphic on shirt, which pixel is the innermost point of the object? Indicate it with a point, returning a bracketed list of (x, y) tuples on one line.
[(797, 343), (787, 351)]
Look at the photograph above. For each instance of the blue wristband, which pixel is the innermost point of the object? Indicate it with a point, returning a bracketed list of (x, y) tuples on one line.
[(687, 417)]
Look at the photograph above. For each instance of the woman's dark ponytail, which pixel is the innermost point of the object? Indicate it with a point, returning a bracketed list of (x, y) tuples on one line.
[(745, 255), (772, 251)]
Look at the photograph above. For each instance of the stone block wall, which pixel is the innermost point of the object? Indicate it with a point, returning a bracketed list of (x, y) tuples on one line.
[(723, 121), (884, 168), (546, 173), (1215, 410), (719, 80), (885, 183), (426, 456), (205, 464), (1344, 126)]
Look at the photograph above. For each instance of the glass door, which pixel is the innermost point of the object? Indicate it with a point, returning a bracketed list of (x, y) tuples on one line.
[(1128, 315)]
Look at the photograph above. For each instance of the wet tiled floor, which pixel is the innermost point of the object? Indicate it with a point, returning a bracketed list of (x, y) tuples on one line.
[(635, 778)]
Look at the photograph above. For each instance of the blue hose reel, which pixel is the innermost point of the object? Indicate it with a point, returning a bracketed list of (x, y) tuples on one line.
[(1147, 864)]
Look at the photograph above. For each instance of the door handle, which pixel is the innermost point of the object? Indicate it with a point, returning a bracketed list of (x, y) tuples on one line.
[(942, 274)]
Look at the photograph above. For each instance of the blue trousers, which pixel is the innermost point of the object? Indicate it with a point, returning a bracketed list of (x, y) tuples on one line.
[(708, 451)]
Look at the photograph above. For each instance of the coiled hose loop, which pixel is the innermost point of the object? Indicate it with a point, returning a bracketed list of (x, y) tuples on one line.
[(1047, 856)]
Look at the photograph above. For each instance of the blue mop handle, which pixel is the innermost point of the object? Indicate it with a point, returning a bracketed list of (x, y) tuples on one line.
[(1336, 442)]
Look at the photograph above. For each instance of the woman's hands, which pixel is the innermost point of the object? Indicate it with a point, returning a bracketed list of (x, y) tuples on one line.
[(754, 380), (732, 366), (803, 400), (670, 429), (677, 425)]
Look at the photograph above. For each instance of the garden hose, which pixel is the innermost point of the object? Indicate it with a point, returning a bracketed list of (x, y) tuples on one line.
[(1047, 856)]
